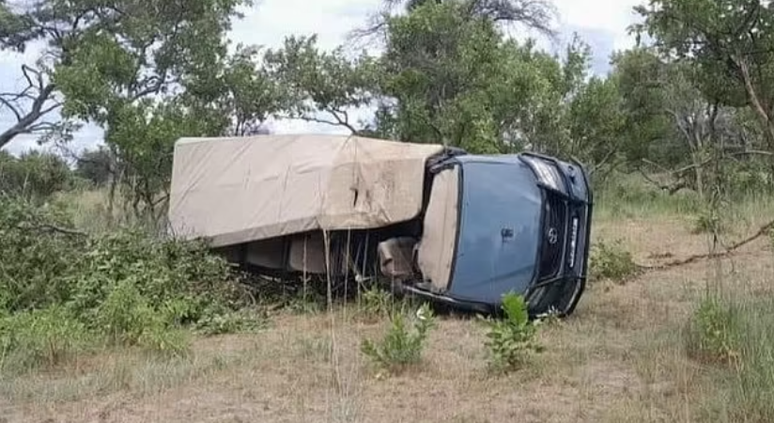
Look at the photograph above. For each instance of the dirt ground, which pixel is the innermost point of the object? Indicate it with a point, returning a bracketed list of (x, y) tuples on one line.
[(618, 359)]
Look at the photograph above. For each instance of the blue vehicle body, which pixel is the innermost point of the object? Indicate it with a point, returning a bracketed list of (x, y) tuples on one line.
[(524, 224)]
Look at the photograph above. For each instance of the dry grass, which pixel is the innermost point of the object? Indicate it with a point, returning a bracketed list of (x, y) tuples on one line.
[(620, 358)]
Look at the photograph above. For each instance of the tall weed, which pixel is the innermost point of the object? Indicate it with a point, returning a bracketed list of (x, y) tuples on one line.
[(511, 340), (738, 335), (403, 343)]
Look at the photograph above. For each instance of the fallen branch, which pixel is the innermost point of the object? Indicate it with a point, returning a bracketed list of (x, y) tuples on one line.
[(54, 229), (671, 189), (763, 231)]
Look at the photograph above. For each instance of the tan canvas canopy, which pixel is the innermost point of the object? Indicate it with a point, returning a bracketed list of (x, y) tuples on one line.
[(243, 189)]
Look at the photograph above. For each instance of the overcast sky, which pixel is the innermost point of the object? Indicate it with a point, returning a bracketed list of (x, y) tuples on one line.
[(601, 23)]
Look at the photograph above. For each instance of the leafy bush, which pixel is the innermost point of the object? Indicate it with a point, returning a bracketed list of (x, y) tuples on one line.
[(706, 223), (375, 303), (125, 288), (402, 345), (512, 339), (48, 337), (738, 335), (713, 331), (611, 261), (34, 174)]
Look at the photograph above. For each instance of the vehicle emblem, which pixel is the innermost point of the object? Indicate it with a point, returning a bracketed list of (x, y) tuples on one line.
[(553, 236)]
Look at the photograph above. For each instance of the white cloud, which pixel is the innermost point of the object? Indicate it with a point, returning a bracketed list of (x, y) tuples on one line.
[(271, 20), (611, 16)]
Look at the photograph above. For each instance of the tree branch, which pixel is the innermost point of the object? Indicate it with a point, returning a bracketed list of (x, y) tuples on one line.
[(51, 229), (753, 96), (763, 231), (26, 123)]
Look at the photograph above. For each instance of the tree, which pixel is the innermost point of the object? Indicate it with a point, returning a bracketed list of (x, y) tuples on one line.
[(728, 41), (670, 123), (95, 166), (36, 100), (33, 174), (122, 64), (449, 78), (596, 124), (318, 81), (532, 14), (648, 132), (445, 76), (238, 95)]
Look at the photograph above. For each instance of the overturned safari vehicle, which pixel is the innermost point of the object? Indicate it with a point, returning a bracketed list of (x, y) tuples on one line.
[(432, 221)]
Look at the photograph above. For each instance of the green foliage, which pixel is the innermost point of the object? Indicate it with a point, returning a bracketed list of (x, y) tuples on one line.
[(717, 35), (375, 303), (458, 81), (122, 68), (46, 337), (403, 344), (708, 222), (123, 288), (33, 174), (95, 166), (752, 395), (713, 331), (611, 261), (511, 340), (318, 81), (37, 253), (737, 336)]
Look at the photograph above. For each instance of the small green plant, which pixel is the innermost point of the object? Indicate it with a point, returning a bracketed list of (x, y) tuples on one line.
[(511, 340), (611, 261), (39, 338), (375, 303), (713, 331), (706, 223), (402, 346)]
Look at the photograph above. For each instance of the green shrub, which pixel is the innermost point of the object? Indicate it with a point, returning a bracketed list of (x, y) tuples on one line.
[(375, 303), (38, 255), (35, 175), (738, 336), (125, 288), (611, 261), (511, 340), (708, 223), (172, 342), (713, 331), (40, 337), (403, 344), (229, 321)]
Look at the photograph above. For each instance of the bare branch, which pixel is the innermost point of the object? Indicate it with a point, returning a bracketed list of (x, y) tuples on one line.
[(41, 127), (671, 189), (339, 120), (27, 121), (604, 161), (43, 227), (763, 231), (11, 107)]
